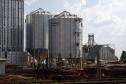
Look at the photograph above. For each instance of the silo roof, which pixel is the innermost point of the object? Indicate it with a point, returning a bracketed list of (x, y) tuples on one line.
[(40, 11), (65, 14)]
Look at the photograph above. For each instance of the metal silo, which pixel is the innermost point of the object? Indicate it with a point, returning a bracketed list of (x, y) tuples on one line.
[(65, 36), (11, 29), (37, 32)]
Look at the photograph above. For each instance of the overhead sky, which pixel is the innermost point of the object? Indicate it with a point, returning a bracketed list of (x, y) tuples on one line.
[(105, 18)]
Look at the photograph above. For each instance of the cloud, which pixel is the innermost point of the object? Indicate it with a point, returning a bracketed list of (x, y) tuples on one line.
[(83, 2), (105, 18), (73, 6), (108, 21), (90, 3), (29, 2)]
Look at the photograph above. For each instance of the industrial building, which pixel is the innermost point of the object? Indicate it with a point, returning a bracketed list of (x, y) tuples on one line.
[(65, 40), (54, 51), (37, 33), (11, 29), (91, 50)]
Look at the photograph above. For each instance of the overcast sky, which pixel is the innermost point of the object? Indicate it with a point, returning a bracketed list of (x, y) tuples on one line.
[(105, 18)]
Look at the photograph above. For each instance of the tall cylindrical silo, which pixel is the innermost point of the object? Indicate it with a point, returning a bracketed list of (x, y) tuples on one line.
[(65, 36), (37, 31), (11, 29)]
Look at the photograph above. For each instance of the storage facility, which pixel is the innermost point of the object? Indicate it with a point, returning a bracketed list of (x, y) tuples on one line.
[(65, 39), (11, 28), (37, 32), (92, 50)]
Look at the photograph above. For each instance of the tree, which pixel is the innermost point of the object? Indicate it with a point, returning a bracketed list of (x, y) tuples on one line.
[(123, 57)]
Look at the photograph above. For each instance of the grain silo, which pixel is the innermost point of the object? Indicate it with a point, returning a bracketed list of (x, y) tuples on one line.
[(11, 30), (65, 36), (37, 32)]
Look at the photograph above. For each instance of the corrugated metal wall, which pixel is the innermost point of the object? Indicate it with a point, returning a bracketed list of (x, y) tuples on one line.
[(12, 25), (11, 28), (17, 58), (108, 54), (65, 36), (37, 31)]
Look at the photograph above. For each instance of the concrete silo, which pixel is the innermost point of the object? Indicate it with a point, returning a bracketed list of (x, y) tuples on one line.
[(37, 32), (65, 39)]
